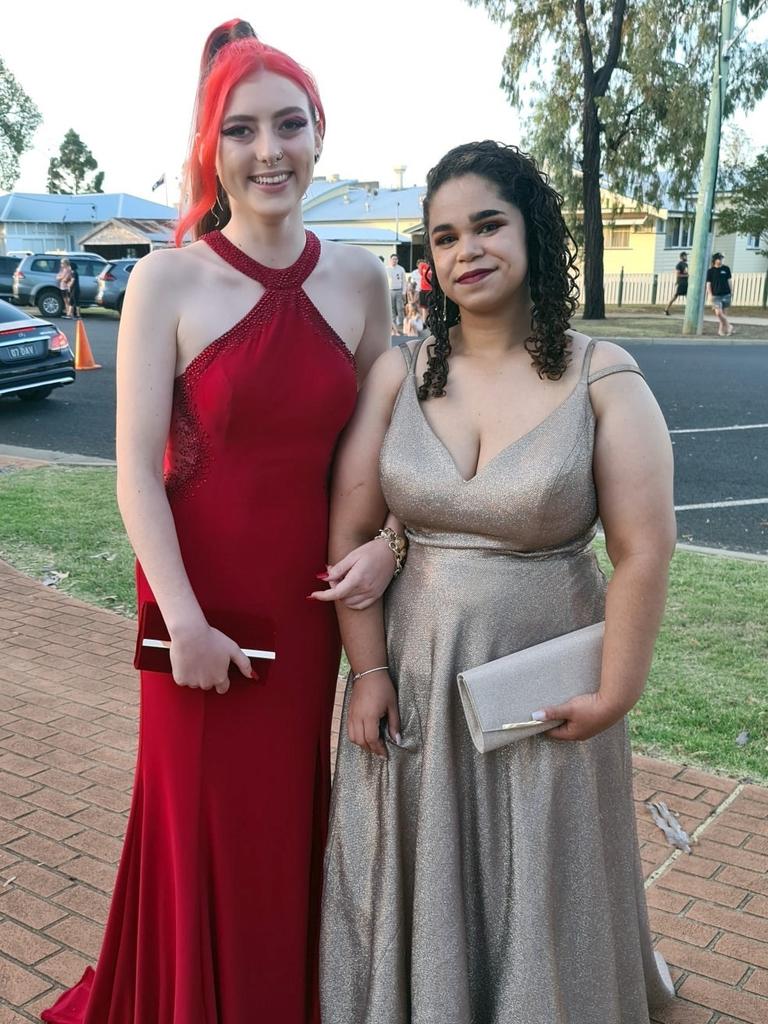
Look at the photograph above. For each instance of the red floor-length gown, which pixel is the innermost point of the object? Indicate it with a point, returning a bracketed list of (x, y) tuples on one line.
[(214, 918)]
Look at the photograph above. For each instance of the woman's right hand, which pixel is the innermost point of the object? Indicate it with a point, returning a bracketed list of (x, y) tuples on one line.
[(200, 659), (373, 698)]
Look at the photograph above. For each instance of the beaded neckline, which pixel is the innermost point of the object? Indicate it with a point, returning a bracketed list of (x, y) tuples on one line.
[(282, 278)]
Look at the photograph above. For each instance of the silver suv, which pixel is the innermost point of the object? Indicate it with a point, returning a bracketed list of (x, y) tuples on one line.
[(35, 284)]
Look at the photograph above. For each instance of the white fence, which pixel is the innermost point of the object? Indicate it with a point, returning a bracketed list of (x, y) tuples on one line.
[(657, 289)]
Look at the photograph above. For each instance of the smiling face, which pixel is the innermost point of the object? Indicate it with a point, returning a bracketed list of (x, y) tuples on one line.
[(478, 245), (267, 146)]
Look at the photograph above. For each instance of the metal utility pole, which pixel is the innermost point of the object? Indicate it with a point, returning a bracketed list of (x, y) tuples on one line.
[(702, 232)]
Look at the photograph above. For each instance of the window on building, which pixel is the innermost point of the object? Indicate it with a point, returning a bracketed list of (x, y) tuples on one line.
[(753, 241), (679, 233), (617, 238)]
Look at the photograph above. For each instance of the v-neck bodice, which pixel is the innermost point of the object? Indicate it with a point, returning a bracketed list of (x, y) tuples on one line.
[(535, 496), (272, 278)]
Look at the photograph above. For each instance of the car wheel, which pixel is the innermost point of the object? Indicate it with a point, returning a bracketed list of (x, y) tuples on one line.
[(120, 306), (50, 304), (35, 394)]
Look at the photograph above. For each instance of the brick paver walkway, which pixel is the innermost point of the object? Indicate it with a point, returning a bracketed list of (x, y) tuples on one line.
[(68, 701)]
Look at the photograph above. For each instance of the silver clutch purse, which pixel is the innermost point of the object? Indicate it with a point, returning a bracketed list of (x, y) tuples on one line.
[(500, 696)]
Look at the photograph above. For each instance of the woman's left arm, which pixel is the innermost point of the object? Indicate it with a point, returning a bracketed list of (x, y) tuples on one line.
[(633, 473)]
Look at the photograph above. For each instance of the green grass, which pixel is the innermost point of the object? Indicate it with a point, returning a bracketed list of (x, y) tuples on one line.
[(709, 680), (629, 325), (67, 520)]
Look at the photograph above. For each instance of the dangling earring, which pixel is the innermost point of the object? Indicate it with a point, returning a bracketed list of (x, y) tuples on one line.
[(445, 309), (218, 205)]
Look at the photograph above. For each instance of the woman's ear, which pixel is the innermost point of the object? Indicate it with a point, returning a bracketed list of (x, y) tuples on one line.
[(318, 143)]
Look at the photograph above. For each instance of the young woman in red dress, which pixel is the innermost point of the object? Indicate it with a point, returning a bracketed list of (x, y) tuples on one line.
[(238, 366)]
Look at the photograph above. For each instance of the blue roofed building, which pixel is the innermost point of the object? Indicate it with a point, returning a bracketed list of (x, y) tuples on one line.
[(383, 220), (112, 224), (118, 225)]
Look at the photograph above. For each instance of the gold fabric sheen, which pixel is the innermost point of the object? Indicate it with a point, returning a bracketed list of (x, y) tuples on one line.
[(498, 888)]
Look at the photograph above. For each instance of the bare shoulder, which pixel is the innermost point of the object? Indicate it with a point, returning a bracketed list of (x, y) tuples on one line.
[(164, 267), (608, 353), (387, 374), (353, 260)]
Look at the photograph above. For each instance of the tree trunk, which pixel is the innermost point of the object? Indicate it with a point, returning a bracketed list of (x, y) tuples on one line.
[(594, 296)]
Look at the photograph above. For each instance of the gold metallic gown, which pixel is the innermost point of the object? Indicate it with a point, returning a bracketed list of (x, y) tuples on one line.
[(499, 888)]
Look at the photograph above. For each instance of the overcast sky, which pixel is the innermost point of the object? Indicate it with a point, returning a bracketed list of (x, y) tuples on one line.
[(401, 82)]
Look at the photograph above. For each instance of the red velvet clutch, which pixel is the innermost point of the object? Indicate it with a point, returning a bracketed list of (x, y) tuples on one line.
[(252, 633)]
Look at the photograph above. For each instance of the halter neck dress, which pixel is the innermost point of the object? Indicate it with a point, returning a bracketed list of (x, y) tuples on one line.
[(215, 913), (468, 888)]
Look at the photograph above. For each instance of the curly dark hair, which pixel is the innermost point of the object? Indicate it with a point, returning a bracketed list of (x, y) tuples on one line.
[(552, 269)]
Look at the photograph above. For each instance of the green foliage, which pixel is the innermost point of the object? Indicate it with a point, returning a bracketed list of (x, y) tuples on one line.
[(67, 520), (19, 119), (736, 152), (747, 209), (653, 112), (706, 686), (67, 171)]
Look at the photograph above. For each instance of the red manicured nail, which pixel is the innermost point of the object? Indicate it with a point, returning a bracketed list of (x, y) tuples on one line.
[(254, 675), (310, 597), (322, 576)]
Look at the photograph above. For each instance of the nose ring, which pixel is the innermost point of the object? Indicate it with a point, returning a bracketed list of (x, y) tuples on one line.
[(271, 161)]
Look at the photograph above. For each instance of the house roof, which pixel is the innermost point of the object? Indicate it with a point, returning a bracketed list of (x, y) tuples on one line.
[(360, 203), (61, 209), (144, 231), (321, 189), (354, 234)]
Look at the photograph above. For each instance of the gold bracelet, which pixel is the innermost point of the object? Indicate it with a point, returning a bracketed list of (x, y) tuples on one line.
[(359, 675), (397, 544)]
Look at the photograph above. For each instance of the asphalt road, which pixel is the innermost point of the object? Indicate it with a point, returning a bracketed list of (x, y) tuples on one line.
[(699, 388)]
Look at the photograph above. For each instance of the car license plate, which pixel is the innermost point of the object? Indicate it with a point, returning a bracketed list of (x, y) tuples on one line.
[(22, 351)]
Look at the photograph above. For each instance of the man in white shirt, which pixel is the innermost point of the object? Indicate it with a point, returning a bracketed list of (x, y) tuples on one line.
[(397, 279)]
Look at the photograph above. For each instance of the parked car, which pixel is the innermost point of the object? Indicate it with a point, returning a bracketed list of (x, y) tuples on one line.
[(35, 284), (35, 356), (113, 280), (7, 266)]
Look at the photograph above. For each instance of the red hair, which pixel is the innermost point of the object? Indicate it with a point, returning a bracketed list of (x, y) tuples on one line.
[(231, 53)]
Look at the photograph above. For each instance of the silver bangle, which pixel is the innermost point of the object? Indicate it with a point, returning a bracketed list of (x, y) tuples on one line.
[(359, 675)]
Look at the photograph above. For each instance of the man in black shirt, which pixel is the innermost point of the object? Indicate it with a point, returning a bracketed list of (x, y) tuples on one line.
[(719, 288), (681, 281)]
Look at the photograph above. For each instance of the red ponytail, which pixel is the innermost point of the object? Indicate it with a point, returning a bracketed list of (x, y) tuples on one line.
[(231, 53)]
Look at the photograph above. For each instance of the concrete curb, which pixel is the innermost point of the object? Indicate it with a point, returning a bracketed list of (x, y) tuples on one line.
[(55, 458)]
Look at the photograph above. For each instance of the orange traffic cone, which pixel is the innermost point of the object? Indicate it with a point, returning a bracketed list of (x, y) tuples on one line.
[(83, 356)]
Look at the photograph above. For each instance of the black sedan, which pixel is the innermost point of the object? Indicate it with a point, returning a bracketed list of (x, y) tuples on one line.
[(35, 356)]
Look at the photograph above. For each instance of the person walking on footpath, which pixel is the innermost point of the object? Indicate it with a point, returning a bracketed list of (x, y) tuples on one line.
[(681, 281), (397, 279), (237, 368), (719, 288), (502, 887)]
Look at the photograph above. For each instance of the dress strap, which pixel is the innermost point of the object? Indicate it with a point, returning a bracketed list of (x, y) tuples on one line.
[(273, 278), (618, 368), (405, 351), (410, 355), (585, 363)]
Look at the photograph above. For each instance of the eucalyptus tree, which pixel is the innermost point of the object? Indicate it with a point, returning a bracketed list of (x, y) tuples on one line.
[(19, 119), (615, 93)]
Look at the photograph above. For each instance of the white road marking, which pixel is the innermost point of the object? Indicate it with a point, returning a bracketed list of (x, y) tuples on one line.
[(710, 430), (722, 504)]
